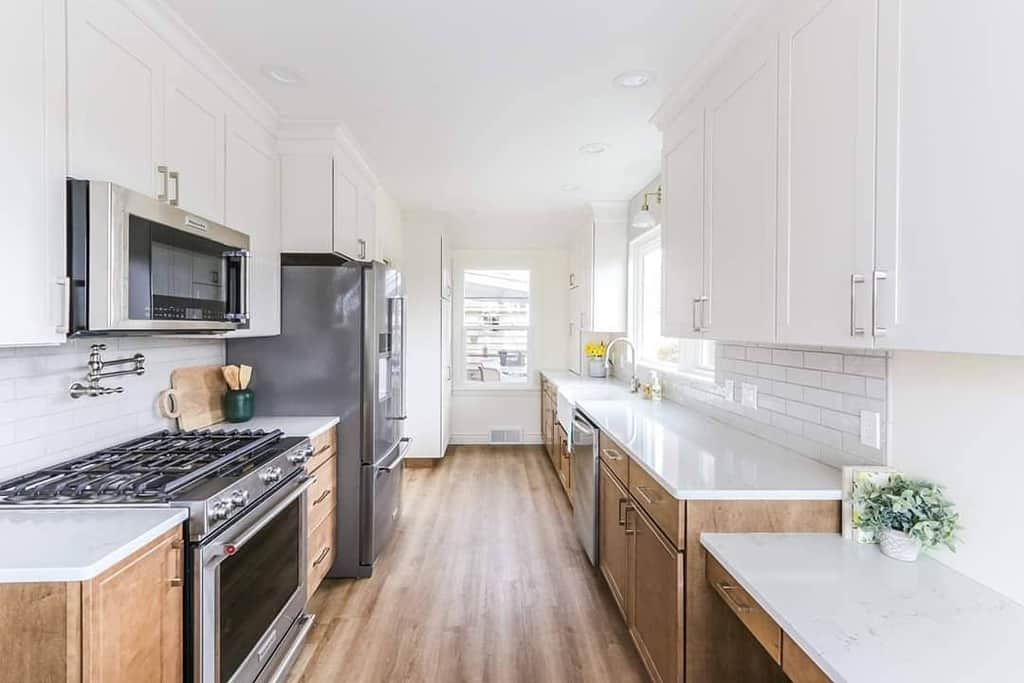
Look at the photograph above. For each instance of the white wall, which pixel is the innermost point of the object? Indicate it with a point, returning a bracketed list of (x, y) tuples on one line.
[(41, 425), (475, 410), (956, 420)]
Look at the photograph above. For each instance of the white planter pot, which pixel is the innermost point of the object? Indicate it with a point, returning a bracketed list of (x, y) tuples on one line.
[(899, 546), (595, 367)]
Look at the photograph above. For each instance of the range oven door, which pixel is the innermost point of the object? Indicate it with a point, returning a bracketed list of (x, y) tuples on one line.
[(249, 591), (137, 264)]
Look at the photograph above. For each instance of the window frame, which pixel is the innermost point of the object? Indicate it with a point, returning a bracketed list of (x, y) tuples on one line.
[(464, 260), (693, 353)]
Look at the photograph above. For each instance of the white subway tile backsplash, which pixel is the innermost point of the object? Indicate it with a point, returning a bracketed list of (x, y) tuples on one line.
[(41, 425), (833, 362), (809, 398)]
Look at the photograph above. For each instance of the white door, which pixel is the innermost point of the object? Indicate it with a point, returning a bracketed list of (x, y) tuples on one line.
[(252, 207), (447, 373), (951, 107), (741, 135), (115, 96), (32, 302), (346, 209), (194, 140), (682, 230), (827, 181)]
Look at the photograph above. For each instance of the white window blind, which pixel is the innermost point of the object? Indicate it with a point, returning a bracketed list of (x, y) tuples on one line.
[(496, 325)]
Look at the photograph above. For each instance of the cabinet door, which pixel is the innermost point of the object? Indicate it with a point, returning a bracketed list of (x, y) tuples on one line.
[(446, 270), (740, 194), (612, 538), (656, 620), (346, 210), (115, 96), (949, 128), (252, 207), (307, 202), (826, 194), (447, 374), (132, 616), (682, 230), (32, 173), (366, 241), (195, 113)]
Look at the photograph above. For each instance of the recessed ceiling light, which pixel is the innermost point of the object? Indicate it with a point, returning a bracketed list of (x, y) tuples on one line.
[(593, 148), (570, 187), (632, 79), (281, 74)]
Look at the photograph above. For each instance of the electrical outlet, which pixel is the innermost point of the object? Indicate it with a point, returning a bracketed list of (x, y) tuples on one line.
[(729, 390), (748, 393), (871, 429)]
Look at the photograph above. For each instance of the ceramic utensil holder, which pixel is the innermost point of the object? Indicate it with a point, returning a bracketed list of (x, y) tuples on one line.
[(238, 405)]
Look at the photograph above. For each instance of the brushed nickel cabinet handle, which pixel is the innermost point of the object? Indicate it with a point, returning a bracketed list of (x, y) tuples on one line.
[(322, 556), (877, 277), (726, 591), (628, 531), (162, 170), (643, 491), (178, 547), (855, 280), (322, 497), (362, 248), (176, 177), (622, 513), (699, 321), (610, 454)]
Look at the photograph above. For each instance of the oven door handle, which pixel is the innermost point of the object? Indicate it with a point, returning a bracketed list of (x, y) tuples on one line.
[(228, 549)]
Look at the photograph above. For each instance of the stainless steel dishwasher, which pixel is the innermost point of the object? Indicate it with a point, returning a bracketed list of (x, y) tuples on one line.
[(585, 479)]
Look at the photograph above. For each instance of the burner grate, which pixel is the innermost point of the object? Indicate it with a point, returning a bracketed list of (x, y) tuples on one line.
[(149, 468)]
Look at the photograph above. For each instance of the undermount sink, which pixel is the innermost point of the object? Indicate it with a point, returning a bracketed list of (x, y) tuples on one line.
[(593, 393)]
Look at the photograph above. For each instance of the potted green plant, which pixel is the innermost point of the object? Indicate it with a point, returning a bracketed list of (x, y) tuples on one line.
[(906, 515)]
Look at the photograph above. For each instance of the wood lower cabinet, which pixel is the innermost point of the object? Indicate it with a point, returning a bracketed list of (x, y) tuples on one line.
[(656, 610), (654, 564), (564, 464), (322, 509), (612, 538), (125, 625)]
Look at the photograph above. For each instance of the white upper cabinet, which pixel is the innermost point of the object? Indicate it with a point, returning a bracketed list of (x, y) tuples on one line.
[(740, 195), (827, 199), (346, 211), (195, 113), (950, 140), (682, 229), (606, 281), (252, 206), (307, 201), (32, 303), (367, 224), (115, 86)]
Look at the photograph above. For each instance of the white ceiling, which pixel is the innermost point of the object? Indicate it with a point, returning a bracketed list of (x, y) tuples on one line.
[(474, 107)]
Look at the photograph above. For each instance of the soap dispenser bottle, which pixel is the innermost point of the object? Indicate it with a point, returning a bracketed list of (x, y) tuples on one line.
[(656, 389)]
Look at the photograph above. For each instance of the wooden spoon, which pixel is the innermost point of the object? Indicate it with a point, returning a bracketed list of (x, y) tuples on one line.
[(244, 376), (230, 373)]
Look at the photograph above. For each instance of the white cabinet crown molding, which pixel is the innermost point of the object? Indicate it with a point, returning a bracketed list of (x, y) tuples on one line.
[(333, 131)]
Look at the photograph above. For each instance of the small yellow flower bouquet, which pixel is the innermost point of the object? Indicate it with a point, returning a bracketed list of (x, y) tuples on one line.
[(596, 350)]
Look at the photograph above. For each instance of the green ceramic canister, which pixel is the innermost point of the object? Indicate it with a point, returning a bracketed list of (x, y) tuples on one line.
[(238, 405)]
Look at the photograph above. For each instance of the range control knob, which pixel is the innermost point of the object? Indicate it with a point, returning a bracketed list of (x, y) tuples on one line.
[(219, 511), (301, 456), (271, 475), (239, 499)]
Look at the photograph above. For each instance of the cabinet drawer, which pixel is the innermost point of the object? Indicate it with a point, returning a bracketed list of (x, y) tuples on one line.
[(321, 551), (325, 445), (666, 511), (614, 457), (757, 621), (798, 666), (322, 497)]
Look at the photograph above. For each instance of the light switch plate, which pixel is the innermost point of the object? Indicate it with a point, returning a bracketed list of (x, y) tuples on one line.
[(729, 390), (871, 429), (748, 393)]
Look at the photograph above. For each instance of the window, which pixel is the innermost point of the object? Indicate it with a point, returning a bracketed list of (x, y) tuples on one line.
[(691, 356), (496, 325)]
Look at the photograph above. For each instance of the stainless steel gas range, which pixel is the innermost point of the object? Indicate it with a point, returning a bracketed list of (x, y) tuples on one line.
[(245, 614)]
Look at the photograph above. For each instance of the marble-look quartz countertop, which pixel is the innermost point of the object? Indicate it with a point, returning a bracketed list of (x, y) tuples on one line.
[(861, 616), (75, 544), (291, 426), (693, 455)]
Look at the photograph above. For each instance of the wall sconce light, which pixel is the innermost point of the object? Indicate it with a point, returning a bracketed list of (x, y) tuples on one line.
[(644, 219)]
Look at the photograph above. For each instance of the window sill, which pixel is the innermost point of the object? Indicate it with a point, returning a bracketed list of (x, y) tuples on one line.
[(494, 388)]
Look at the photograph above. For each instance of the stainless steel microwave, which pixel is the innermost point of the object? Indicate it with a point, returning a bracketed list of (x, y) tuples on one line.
[(138, 265)]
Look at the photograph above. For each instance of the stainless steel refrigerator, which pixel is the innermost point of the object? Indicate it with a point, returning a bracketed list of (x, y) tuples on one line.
[(341, 352)]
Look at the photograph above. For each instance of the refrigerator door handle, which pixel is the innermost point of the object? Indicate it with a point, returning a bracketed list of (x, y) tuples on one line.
[(403, 450), (402, 349)]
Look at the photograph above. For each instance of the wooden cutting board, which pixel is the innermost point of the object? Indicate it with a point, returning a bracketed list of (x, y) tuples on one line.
[(196, 397)]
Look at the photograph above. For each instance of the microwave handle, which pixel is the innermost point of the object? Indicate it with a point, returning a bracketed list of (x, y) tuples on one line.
[(244, 258)]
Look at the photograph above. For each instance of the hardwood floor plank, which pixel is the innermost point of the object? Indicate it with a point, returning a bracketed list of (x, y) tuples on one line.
[(484, 581)]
